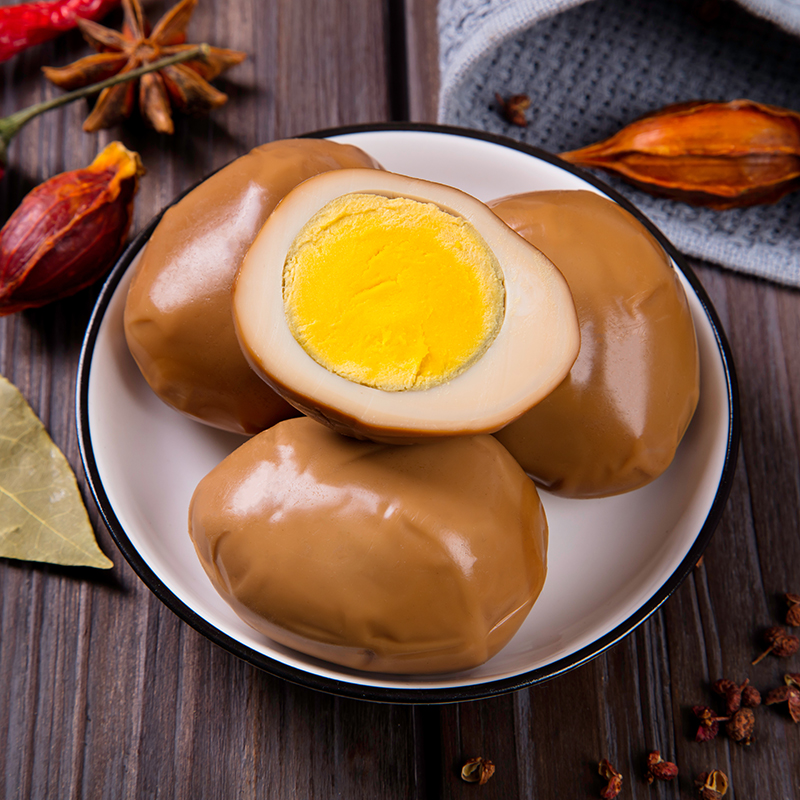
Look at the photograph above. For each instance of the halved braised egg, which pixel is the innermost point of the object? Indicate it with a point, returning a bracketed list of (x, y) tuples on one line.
[(396, 309)]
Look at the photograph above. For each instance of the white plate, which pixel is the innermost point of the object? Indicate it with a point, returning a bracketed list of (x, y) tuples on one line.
[(612, 562)]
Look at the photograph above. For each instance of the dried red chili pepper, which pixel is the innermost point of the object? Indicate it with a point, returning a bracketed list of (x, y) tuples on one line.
[(722, 155), (657, 767), (24, 25), (68, 231)]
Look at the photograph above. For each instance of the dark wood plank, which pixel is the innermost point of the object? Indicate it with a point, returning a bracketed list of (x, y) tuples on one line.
[(422, 59)]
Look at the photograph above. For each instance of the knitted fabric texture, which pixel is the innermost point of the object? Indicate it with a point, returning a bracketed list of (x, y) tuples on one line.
[(592, 67)]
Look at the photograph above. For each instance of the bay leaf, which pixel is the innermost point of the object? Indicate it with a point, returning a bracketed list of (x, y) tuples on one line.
[(42, 515)]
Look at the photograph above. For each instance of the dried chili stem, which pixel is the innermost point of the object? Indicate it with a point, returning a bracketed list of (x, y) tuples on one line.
[(10, 125)]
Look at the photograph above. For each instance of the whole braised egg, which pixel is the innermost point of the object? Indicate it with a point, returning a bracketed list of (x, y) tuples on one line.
[(178, 323), (615, 422), (396, 309), (418, 559)]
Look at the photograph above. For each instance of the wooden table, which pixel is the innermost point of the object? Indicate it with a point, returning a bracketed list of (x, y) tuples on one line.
[(106, 694)]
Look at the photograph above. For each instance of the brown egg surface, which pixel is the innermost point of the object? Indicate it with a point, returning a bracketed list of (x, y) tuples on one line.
[(615, 422), (178, 322), (416, 559)]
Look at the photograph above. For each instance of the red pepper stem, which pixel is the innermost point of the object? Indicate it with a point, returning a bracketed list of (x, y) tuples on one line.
[(10, 125)]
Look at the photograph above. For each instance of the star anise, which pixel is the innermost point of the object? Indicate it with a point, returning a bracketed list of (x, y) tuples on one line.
[(184, 86)]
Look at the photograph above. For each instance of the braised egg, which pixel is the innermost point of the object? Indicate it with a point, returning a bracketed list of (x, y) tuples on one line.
[(418, 559), (617, 419), (178, 323), (396, 309)]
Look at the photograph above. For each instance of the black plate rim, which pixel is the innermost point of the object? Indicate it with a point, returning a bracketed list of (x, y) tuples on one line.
[(399, 695)]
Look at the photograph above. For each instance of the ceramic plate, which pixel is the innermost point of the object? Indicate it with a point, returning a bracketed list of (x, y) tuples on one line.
[(143, 461)]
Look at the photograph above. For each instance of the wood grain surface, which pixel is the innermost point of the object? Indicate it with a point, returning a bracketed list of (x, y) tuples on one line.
[(106, 694)]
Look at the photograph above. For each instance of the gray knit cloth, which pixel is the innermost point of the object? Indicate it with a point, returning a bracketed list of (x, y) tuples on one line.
[(592, 67)]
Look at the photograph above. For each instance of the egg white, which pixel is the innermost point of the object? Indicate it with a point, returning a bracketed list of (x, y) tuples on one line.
[(532, 353)]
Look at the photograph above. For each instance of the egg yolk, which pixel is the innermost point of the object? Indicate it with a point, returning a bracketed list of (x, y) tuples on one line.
[(392, 293)]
